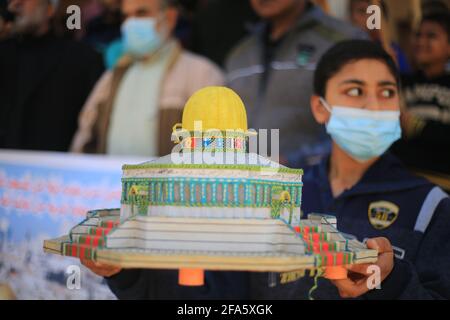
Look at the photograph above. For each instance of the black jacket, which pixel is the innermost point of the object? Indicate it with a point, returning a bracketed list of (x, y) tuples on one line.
[(44, 83)]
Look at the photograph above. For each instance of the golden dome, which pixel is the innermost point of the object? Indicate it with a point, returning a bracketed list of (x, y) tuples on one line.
[(217, 108)]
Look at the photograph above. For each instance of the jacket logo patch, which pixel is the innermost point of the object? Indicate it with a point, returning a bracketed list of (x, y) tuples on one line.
[(305, 53), (382, 214)]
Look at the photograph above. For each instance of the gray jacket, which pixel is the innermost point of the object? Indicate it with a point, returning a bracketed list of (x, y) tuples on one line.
[(284, 102)]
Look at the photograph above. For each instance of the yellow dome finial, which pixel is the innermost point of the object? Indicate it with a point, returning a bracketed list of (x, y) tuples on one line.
[(214, 119), (217, 108)]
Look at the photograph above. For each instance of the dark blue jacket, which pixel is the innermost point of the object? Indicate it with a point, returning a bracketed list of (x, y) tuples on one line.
[(163, 284), (416, 221)]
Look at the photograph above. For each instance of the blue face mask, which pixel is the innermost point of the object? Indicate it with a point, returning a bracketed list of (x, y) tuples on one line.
[(140, 37), (363, 134)]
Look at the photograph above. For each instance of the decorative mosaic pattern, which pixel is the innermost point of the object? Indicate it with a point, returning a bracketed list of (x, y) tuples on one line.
[(219, 141), (225, 192)]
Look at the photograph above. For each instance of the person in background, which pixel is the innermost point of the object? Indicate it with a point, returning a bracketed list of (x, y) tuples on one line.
[(104, 28), (426, 118), (371, 194), (133, 107), (182, 32), (44, 80), (272, 72), (231, 19), (359, 16)]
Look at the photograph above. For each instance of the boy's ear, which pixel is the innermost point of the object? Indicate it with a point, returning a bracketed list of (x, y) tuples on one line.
[(319, 112)]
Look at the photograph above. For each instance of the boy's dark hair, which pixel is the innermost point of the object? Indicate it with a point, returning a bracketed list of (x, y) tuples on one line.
[(434, 6), (441, 18), (346, 52)]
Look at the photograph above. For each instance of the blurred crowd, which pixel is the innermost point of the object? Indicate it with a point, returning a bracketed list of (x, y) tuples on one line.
[(119, 83)]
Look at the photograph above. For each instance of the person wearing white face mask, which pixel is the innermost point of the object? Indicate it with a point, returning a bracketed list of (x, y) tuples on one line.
[(143, 36), (372, 195), (133, 107), (363, 134)]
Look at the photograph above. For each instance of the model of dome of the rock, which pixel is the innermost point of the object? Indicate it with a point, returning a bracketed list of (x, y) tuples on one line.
[(210, 204)]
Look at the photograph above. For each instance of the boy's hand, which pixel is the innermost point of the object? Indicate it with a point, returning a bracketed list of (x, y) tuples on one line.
[(356, 283), (101, 269)]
